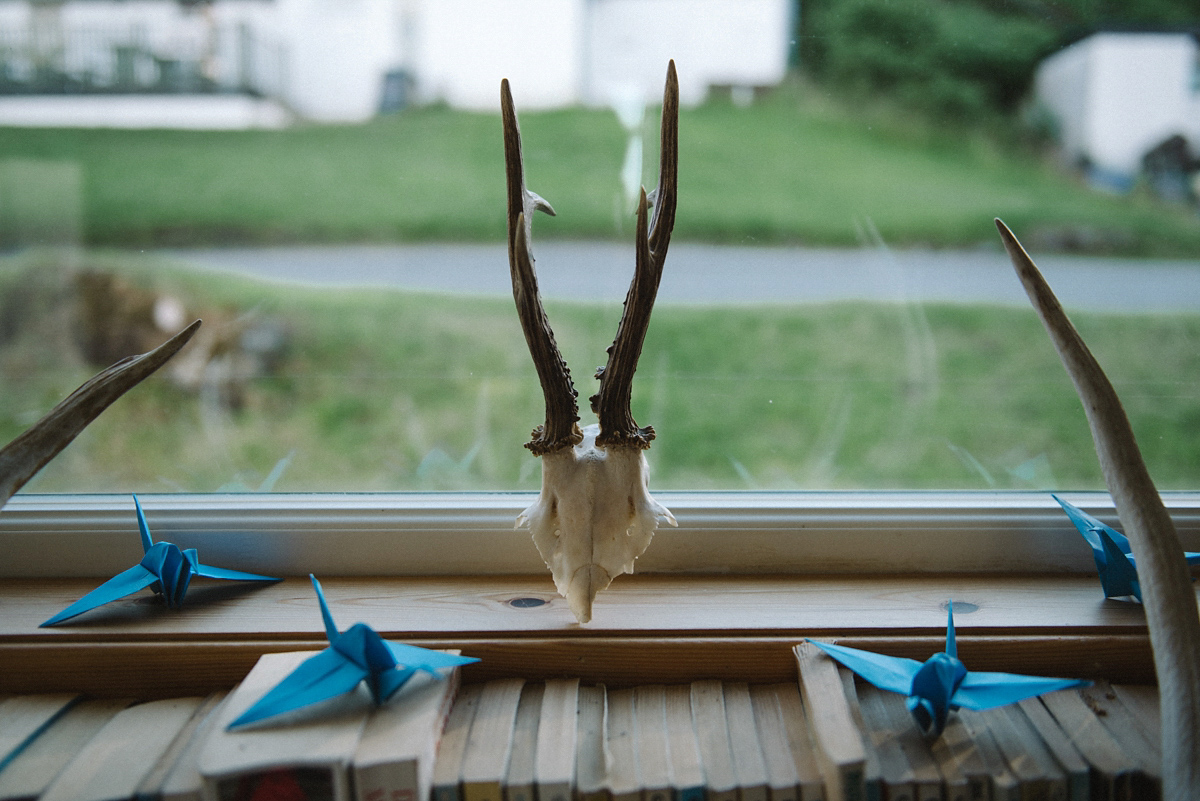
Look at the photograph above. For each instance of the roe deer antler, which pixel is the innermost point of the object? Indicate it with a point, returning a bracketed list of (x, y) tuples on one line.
[(594, 515), (29, 452), (1167, 594)]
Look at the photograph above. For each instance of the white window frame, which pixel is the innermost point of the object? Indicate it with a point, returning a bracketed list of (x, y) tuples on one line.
[(382, 534)]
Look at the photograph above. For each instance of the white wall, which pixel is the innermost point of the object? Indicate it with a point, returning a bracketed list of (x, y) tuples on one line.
[(337, 52), (462, 48), (328, 58), (733, 42), (1119, 94)]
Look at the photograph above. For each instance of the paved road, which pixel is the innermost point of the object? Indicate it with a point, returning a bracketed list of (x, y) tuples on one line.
[(714, 274)]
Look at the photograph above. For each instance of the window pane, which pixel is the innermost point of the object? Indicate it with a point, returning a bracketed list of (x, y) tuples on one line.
[(359, 330)]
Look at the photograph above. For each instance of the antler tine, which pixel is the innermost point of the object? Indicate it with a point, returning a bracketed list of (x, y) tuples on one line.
[(562, 413), (1170, 603), (28, 453), (611, 403)]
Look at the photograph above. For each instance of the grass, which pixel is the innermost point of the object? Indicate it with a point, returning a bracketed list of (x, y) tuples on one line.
[(798, 167), (405, 391)]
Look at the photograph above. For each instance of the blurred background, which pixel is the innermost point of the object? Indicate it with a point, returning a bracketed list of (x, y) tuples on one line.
[(322, 182)]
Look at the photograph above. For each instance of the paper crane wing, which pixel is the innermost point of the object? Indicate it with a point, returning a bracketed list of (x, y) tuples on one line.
[(983, 690), (120, 585), (318, 678), (1090, 528), (892, 673), (414, 658), (208, 571)]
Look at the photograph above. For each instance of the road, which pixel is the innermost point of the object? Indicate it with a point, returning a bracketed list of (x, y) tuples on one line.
[(705, 274)]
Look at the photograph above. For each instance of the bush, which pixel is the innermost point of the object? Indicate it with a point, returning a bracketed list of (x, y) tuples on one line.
[(953, 59)]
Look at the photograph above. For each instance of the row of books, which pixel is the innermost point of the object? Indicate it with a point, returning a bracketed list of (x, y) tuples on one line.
[(824, 737)]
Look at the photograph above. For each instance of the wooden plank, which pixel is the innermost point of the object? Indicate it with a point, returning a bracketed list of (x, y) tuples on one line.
[(149, 668), (658, 605), (927, 779)]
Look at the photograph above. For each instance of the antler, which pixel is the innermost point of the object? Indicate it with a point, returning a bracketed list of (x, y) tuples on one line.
[(1170, 602), (28, 453), (611, 403), (562, 413)]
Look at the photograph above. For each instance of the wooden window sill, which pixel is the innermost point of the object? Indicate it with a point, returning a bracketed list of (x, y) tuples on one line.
[(646, 629)]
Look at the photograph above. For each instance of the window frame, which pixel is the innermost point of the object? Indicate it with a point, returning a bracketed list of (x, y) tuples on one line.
[(471, 533)]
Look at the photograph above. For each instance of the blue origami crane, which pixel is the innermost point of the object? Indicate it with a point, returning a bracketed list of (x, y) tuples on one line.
[(166, 568), (1114, 558), (355, 655), (942, 683)]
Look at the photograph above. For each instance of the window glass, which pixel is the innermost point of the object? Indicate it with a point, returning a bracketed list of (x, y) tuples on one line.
[(323, 184)]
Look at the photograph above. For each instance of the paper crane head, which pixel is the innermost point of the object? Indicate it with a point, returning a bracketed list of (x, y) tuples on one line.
[(165, 568), (941, 683), (1112, 553), (356, 655)]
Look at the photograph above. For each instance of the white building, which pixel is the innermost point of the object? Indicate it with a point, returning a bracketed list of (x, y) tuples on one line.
[(337, 60), (1116, 96)]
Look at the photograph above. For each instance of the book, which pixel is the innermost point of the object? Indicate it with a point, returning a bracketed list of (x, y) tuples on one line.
[(112, 764), (961, 766), (1111, 767), (839, 746), (1065, 753), (748, 764), (650, 742), (1003, 784), (1123, 725), (1142, 701), (305, 753), (592, 722), (150, 787), (24, 717), (556, 733), (519, 782), (686, 774), (873, 784), (489, 743), (447, 767), (926, 778), (712, 736), (621, 763), (395, 753), (183, 782), (782, 778), (809, 784), (30, 772), (1028, 758)]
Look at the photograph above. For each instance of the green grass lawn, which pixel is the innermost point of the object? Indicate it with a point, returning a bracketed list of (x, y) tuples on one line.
[(796, 167), (403, 391)]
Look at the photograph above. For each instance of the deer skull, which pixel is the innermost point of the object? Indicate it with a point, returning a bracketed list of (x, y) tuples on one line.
[(594, 515)]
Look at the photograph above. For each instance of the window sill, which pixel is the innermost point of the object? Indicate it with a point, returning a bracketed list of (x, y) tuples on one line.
[(647, 628)]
